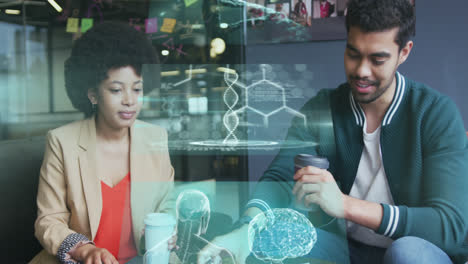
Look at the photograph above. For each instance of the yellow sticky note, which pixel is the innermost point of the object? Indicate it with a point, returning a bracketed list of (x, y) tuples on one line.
[(72, 25), (168, 25), (86, 24), (189, 2)]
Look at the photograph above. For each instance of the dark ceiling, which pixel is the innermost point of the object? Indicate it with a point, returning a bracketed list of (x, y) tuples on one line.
[(41, 13)]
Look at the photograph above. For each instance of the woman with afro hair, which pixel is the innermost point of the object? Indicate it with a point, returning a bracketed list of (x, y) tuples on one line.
[(102, 175)]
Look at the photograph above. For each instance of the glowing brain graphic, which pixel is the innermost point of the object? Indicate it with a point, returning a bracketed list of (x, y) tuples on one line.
[(279, 234)]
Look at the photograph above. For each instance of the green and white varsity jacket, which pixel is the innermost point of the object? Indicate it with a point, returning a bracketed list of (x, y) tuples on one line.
[(424, 151)]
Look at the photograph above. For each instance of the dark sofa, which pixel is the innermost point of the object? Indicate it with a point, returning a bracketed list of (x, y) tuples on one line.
[(20, 161)]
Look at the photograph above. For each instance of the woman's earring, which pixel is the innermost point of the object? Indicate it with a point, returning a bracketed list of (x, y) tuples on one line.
[(94, 107)]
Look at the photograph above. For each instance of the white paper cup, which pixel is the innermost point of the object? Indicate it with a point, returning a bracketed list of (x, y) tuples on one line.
[(159, 228)]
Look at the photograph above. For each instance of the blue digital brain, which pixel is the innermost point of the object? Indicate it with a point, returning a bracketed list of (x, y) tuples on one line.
[(279, 234)]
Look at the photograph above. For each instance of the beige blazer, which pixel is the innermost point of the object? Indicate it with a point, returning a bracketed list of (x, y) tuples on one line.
[(69, 198)]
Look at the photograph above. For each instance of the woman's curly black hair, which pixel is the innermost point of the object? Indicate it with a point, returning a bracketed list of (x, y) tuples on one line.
[(106, 46), (381, 15)]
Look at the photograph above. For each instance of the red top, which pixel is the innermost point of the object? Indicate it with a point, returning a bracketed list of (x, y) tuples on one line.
[(115, 227)]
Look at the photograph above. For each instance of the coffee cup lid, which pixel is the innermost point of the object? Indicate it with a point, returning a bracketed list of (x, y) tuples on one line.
[(303, 160), (159, 219)]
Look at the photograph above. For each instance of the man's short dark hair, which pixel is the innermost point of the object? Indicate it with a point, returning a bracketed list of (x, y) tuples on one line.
[(107, 46), (381, 15)]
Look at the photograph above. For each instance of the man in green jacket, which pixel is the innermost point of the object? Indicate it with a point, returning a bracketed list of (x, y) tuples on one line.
[(398, 155)]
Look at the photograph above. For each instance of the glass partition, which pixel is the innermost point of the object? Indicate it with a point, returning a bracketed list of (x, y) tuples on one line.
[(225, 119)]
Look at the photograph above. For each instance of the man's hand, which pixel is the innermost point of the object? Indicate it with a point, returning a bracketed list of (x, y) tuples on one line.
[(318, 186), (90, 254), (234, 243), (172, 243)]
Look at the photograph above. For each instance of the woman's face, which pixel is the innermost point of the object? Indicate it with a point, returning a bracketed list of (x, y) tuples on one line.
[(118, 98)]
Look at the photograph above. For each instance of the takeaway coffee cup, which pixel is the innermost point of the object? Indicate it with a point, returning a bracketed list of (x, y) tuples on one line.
[(159, 228), (304, 160)]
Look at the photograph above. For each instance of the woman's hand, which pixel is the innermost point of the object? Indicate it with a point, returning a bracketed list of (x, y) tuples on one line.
[(233, 244), (90, 254)]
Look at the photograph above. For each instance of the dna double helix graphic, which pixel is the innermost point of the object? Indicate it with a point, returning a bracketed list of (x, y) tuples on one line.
[(230, 119)]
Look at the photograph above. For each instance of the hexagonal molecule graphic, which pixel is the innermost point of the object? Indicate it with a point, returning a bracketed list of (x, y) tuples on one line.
[(264, 97)]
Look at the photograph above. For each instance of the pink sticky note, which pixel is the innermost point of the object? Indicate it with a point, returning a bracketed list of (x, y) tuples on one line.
[(151, 25)]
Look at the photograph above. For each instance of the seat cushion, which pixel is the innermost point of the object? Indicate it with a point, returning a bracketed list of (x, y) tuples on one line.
[(20, 162)]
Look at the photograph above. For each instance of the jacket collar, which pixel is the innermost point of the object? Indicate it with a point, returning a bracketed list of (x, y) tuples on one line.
[(397, 98), (87, 137)]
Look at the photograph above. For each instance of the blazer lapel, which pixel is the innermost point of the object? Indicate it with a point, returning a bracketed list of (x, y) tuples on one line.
[(136, 172), (142, 166), (139, 153), (90, 181)]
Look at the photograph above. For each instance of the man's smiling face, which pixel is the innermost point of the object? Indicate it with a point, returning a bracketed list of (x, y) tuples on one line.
[(371, 60)]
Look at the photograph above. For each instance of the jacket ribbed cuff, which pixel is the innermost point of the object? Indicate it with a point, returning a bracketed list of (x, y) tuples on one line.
[(392, 221), (262, 205)]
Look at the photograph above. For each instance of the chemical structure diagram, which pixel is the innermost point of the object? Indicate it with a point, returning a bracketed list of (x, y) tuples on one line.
[(169, 104), (264, 93), (256, 101), (168, 86)]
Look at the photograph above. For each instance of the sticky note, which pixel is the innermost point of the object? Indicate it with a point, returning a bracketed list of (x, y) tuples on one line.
[(151, 25), (72, 25), (189, 2), (168, 25), (86, 24)]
